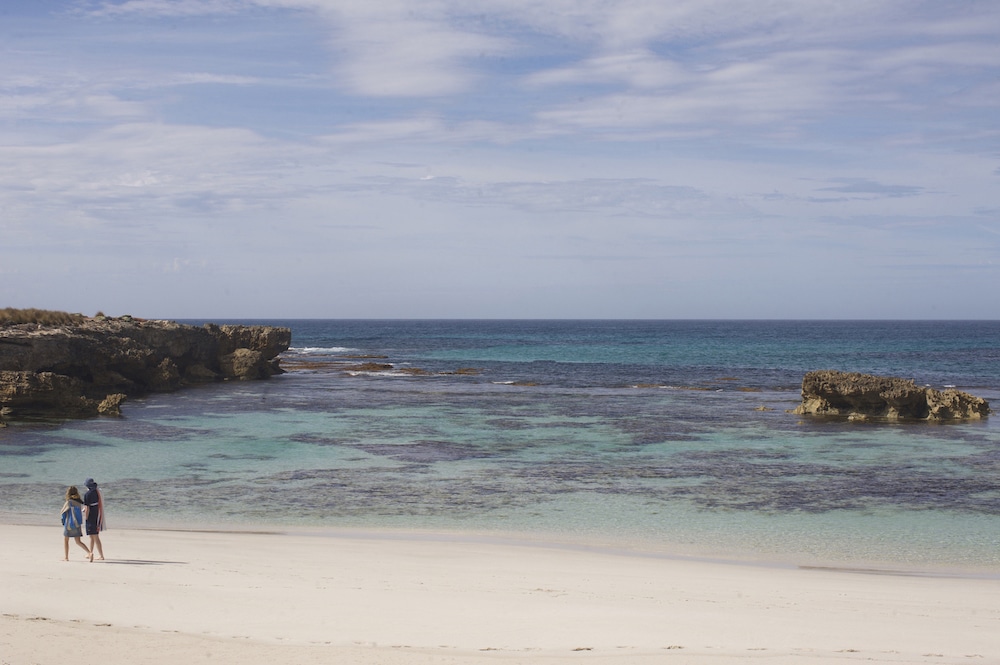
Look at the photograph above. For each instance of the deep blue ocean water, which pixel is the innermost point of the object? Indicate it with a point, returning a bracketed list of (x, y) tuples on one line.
[(664, 436)]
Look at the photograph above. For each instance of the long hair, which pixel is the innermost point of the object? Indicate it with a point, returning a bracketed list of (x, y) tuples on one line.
[(73, 493)]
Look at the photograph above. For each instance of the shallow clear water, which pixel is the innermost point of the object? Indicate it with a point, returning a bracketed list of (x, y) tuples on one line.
[(641, 434)]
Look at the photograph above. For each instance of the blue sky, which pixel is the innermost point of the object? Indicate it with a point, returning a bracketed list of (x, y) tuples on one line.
[(501, 159)]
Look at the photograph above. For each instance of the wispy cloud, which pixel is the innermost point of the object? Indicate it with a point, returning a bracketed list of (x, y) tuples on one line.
[(387, 51), (163, 8), (698, 139), (618, 197), (865, 187), (147, 171)]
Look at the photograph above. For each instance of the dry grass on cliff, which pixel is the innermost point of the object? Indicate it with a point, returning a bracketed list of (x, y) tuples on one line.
[(10, 317)]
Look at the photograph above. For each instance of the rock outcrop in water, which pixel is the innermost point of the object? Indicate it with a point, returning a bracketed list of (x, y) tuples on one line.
[(865, 396), (90, 366)]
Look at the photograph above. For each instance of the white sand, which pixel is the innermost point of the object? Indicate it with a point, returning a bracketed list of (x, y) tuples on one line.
[(179, 597)]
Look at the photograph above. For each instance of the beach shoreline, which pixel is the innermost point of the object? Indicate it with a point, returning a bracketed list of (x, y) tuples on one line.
[(375, 597), (582, 543)]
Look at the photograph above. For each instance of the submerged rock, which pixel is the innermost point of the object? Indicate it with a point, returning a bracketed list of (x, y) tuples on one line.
[(90, 367), (863, 396)]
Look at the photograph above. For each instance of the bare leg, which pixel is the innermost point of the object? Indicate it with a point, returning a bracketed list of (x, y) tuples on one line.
[(78, 542), (95, 546), (65, 548)]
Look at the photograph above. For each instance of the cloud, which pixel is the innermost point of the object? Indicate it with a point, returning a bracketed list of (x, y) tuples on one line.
[(400, 56), (693, 136), (428, 129), (870, 188), (203, 78), (67, 101), (164, 8), (385, 49), (634, 197), (638, 65), (639, 69), (796, 88), (147, 172)]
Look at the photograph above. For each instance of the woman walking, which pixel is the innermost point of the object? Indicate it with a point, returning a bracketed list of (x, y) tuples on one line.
[(72, 521), (93, 512)]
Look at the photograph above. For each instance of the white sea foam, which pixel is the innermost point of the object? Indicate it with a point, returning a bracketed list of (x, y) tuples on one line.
[(378, 373), (307, 350)]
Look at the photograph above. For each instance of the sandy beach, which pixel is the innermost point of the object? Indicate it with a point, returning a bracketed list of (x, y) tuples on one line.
[(375, 598)]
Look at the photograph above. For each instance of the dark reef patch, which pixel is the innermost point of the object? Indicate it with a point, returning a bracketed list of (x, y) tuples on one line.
[(320, 440)]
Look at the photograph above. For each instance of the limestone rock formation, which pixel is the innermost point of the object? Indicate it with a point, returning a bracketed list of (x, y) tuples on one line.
[(865, 396), (89, 367)]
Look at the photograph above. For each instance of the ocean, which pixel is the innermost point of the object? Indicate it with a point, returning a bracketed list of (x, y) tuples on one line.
[(662, 437)]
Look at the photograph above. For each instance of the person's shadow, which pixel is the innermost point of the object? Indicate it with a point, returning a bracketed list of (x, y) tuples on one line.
[(144, 562)]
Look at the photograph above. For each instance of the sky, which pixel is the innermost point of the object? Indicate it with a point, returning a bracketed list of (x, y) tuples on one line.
[(649, 159)]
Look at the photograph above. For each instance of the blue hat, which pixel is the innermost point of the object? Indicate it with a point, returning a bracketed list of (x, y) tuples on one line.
[(89, 482)]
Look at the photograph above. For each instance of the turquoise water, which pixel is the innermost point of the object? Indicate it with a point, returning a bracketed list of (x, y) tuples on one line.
[(660, 436)]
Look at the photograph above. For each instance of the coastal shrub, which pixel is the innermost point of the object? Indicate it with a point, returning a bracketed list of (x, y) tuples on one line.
[(10, 316)]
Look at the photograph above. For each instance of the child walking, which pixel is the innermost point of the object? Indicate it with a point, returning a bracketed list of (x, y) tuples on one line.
[(72, 521)]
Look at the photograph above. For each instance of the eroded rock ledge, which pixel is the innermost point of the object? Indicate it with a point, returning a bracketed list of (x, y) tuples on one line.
[(865, 396), (90, 367)]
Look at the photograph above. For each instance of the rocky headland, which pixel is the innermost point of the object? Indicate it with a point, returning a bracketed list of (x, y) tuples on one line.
[(76, 366), (865, 396)]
